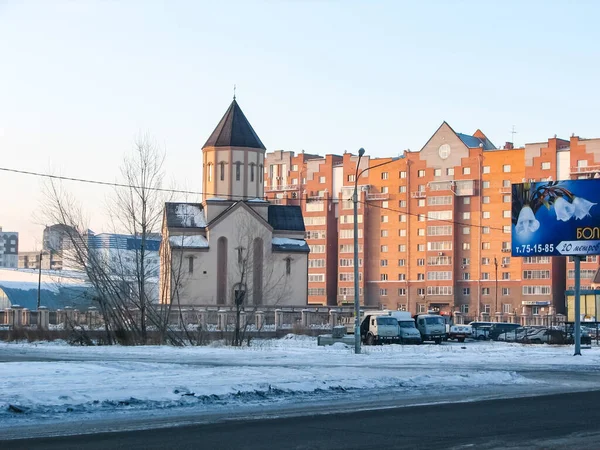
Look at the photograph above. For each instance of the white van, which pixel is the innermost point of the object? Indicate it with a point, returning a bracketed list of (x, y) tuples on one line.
[(408, 331)]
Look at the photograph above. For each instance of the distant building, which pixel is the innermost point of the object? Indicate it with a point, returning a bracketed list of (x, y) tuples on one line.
[(57, 237), (9, 249), (31, 260)]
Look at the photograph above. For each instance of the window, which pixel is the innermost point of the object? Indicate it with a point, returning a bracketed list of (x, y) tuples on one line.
[(317, 221), (485, 261), (485, 230), (437, 276), (535, 310), (238, 172), (466, 291), (402, 217), (421, 306), (466, 276), (506, 183), (210, 172), (466, 261), (506, 245), (401, 277), (536, 290), (420, 262), (320, 234), (252, 173), (401, 262), (486, 184), (383, 277), (421, 232), (546, 166), (506, 275), (312, 277), (506, 260), (506, 168), (486, 246), (536, 260), (487, 309), (464, 309), (402, 174), (401, 233), (383, 292), (317, 248), (222, 167), (420, 276), (466, 171), (466, 215), (294, 167), (352, 178), (384, 219), (466, 200), (316, 263), (486, 199), (343, 234), (402, 189), (506, 308), (402, 203), (439, 245), (466, 230), (384, 233), (437, 172), (402, 248), (439, 215), (384, 249), (487, 214), (401, 292), (191, 264), (440, 230), (260, 173), (485, 275), (421, 173), (485, 291), (383, 262), (421, 217), (506, 214), (506, 229), (322, 180), (421, 202), (384, 175), (421, 188), (384, 189), (450, 171), (486, 169), (318, 206), (316, 291), (439, 260), (466, 246), (439, 200), (349, 262), (349, 248), (439, 290), (505, 291), (421, 247), (506, 199)]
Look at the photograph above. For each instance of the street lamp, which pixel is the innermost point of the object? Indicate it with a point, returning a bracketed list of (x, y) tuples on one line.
[(496, 308), (357, 175)]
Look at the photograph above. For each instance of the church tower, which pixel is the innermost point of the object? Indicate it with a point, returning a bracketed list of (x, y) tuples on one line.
[(233, 159)]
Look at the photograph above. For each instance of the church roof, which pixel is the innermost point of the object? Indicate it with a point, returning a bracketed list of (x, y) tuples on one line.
[(234, 130), (185, 215), (286, 218)]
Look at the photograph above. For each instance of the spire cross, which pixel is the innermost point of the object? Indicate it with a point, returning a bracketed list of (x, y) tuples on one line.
[(234, 91)]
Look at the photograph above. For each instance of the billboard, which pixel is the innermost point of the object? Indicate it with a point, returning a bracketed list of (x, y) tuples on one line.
[(554, 218)]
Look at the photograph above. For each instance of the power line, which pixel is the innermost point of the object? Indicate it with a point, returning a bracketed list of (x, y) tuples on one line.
[(229, 196)]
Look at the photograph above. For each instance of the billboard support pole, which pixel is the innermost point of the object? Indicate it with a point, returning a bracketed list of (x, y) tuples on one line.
[(577, 324)]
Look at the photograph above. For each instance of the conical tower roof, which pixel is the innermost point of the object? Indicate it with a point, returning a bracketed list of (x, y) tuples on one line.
[(234, 130)]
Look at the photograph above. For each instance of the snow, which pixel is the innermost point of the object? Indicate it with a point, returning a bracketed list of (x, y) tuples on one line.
[(288, 241), (54, 380), (258, 200), (197, 241), (190, 215)]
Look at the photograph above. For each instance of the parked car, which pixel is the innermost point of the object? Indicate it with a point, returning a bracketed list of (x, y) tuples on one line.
[(408, 331), (546, 336), (459, 332), (516, 335), (501, 327), (480, 330)]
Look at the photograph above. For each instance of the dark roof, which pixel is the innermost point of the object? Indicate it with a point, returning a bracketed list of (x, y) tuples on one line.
[(474, 142), (286, 218), (234, 130), (185, 215), (25, 295)]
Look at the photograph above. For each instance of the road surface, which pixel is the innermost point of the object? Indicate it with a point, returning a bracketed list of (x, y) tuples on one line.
[(548, 422)]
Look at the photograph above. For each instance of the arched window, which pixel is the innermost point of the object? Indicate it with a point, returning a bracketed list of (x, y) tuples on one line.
[(238, 173), (222, 270), (261, 173), (222, 164), (257, 271), (252, 172), (210, 172)]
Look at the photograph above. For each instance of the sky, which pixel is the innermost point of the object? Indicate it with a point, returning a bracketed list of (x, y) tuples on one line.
[(80, 80)]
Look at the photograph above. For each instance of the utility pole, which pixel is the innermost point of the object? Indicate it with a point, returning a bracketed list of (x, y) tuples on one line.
[(39, 279), (496, 265)]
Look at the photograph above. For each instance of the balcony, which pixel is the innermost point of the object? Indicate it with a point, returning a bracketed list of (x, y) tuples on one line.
[(378, 196), (418, 194), (282, 187), (585, 170)]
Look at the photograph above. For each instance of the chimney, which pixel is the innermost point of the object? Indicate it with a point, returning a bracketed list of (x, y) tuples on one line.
[(508, 146)]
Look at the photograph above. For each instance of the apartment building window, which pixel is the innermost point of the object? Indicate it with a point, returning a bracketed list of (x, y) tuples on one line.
[(402, 217), (402, 203), (505, 291), (450, 171), (402, 233), (316, 291), (506, 275), (582, 163), (315, 206), (487, 308), (420, 262), (384, 233), (384, 189), (384, 277), (541, 274), (486, 184), (421, 232), (466, 276), (506, 199), (466, 261), (421, 217), (466, 230), (485, 261), (421, 188), (401, 262), (439, 290), (485, 291), (322, 180), (506, 245), (506, 168), (466, 246), (506, 214), (466, 216), (347, 276), (316, 263), (487, 214), (536, 290), (437, 172), (439, 275), (294, 167), (506, 308), (402, 189), (439, 260), (383, 262), (485, 230), (319, 234), (485, 200), (485, 275), (317, 248), (439, 215), (537, 260), (466, 171), (401, 292), (384, 175), (384, 219), (464, 309), (466, 291), (421, 247), (402, 248), (352, 178), (402, 174), (439, 246), (349, 262), (315, 220), (505, 183), (421, 306), (486, 246), (383, 292), (466, 200), (506, 260), (421, 202), (384, 249), (486, 169), (439, 200), (316, 277), (439, 230), (506, 229), (401, 277), (420, 276)]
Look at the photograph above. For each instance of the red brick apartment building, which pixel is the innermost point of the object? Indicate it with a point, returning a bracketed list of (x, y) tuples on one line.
[(434, 225)]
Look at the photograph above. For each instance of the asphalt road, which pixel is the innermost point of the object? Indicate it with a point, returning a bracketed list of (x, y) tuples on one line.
[(548, 422)]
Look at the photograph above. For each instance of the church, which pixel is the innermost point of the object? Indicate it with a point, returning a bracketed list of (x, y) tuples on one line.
[(234, 247)]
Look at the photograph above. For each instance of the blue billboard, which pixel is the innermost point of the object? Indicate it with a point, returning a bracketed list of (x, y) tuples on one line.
[(554, 218)]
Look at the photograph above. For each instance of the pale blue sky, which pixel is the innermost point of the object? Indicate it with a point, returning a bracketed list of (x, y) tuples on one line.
[(80, 79)]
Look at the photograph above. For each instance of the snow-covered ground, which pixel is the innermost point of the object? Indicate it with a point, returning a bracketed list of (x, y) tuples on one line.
[(52, 380)]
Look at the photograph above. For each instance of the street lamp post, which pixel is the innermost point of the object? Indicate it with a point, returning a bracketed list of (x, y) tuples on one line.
[(357, 175), (496, 264)]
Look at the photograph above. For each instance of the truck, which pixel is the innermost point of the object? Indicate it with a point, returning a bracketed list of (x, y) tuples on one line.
[(432, 327), (408, 331), (378, 327), (459, 332)]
